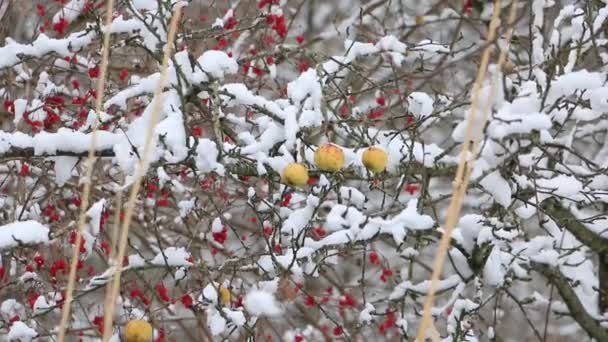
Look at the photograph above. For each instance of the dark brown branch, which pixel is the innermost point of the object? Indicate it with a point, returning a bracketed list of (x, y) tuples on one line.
[(564, 218), (578, 312), (23, 153)]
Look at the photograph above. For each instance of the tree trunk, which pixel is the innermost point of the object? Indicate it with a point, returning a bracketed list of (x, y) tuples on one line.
[(603, 278)]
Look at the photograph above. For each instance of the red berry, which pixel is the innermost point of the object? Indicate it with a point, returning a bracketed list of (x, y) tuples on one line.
[(374, 259), (24, 170), (411, 188), (347, 300), (309, 301), (39, 260), (303, 66), (230, 23), (187, 301), (162, 202), (375, 113), (98, 322), (41, 10), (124, 73), (9, 105), (286, 199), (220, 237), (197, 131), (319, 232), (61, 26), (31, 298), (277, 249), (105, 247), (162, 292), (94, 72)]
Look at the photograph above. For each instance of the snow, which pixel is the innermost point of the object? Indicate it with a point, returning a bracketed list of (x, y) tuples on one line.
[(11, 308), (173, 134), (517, 124), (172, 256), (261, 303), (493, 272), (169, 127), (420, 104), (12, 51), (41, 305), (19, 331), (136, 261), (65, 139), (70, 11), (207, 157), (365, 316), (236, 317), (310, 119), (216, 64), (572, 82), (460, 307), (306, 90), (498, 187), (185, 207), (400, 290), (562, 185), (145, 5), (23, 233), (300, 218), (210, 294), (20, 107), (355, 49), (353, 195), (69, 140), (63, 168), (94, 215), (216, 323), (391, 43)]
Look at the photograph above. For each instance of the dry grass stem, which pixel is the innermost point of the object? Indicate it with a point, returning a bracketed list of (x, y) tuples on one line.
[(467, 157), (65, 312), (141, 168)]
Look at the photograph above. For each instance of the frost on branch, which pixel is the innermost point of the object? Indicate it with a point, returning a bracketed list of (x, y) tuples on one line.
[(22, 234)]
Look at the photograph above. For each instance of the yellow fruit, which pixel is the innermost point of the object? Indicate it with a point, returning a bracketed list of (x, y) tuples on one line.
[(224, 296), (329, 157), (295, 174), (138, 331), (375, 159)]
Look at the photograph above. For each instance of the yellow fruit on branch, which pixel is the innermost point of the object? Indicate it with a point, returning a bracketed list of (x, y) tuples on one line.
[(295, 174), (375, 159), (329, 157), (224, 296), (138, 331)]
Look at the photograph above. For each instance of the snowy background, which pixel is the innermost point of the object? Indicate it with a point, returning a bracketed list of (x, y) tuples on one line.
[(221, 248)]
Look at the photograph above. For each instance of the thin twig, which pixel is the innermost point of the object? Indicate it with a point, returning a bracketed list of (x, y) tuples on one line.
[(108, 314)]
